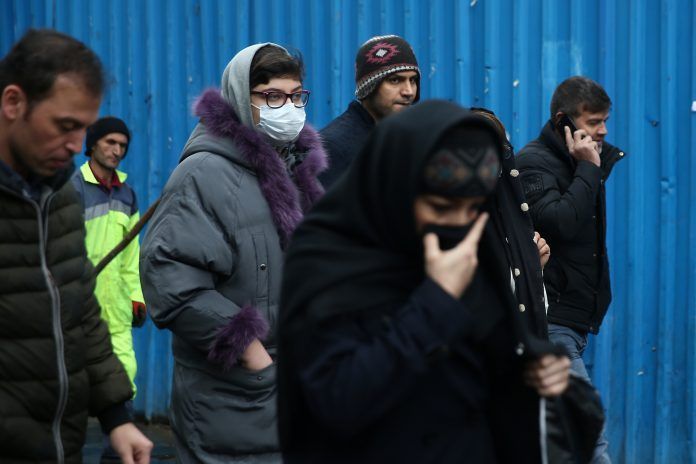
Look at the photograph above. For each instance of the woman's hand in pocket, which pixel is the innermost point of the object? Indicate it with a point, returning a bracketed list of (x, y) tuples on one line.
[(255, 357)]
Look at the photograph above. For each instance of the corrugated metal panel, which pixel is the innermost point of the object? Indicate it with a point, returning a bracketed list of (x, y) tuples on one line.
[(504, 54)]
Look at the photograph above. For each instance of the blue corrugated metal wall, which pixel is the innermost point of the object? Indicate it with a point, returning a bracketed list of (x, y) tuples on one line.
[(504, 54)]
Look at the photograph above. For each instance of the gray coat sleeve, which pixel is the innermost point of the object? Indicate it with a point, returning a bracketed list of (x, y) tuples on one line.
[(187, 250)]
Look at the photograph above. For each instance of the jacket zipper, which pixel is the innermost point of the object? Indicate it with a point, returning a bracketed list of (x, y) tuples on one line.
[(57, 332)]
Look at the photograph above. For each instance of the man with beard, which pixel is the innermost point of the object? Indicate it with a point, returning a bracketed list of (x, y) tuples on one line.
[(111, 211), (387, 80)]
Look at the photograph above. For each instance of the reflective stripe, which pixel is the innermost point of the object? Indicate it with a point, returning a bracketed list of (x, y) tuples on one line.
[(104, 208), (121, 207)]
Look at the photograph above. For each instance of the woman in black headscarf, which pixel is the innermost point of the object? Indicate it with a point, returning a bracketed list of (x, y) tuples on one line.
[(402, 338)]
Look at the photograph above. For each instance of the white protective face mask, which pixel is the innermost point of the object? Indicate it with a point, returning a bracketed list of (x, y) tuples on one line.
[(281, 124)]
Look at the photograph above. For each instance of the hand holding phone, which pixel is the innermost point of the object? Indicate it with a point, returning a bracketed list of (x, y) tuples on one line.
[(564, 122), (579, 143)]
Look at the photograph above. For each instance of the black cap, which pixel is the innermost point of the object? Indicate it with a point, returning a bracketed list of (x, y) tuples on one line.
[(104, 126)]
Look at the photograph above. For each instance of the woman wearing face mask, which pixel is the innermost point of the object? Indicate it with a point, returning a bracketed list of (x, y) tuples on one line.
[(211, 263), (408, 342)]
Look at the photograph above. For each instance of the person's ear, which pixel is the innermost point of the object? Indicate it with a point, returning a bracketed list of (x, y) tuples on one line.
[(13, 102)]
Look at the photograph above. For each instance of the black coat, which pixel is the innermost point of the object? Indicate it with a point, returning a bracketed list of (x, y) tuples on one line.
[(376, 362), (56, 361), (568, 206), (343, 138)]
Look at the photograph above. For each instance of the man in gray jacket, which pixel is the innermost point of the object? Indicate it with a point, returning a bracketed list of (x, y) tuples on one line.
[(211, 263)]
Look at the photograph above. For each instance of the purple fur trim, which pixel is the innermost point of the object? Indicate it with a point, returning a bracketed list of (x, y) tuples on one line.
[(315, 162), (287, 200), (235, 336)]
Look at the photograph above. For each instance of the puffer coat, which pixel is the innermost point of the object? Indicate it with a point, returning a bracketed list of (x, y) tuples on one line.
[(56, 361)]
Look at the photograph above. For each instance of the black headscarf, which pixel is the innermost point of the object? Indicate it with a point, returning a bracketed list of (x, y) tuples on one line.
[(358, 249), (358, 252)]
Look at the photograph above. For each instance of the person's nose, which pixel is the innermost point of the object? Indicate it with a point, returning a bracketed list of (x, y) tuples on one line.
[(408, 88), (602, 129), (75, 140)]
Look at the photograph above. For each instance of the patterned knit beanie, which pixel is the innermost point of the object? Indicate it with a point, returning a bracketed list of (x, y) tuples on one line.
[(379, 57)]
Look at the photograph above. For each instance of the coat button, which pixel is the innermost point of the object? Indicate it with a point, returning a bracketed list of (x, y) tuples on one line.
[(259, 378), (519, 350), (517, 272), (522, 308), (514, 173), (621, 154), (263, 267), (524, 207), (594, 255)]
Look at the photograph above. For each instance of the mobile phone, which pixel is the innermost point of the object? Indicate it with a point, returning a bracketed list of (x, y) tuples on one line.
[(565, 121)]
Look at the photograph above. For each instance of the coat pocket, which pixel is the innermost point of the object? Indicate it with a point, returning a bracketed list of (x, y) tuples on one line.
[(234, 413)]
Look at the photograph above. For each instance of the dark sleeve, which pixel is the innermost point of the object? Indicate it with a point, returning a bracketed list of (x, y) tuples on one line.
[(108, 381), (338, 160), (351, 377), (114, 416), (559, 214)]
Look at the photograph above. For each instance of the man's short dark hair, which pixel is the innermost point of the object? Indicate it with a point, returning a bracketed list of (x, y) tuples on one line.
[(577, 94), (41, 55), (270, 62)]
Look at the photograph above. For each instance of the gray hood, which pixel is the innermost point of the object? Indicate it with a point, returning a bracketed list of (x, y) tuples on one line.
[(235, 82), (202, 140)]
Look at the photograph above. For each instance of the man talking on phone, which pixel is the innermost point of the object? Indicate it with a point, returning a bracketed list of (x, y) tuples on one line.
[(564, 172)]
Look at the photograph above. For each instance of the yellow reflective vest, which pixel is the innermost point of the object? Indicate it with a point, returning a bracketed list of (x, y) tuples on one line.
[(109, 215)]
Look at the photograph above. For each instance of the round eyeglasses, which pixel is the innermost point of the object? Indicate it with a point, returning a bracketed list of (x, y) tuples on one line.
[(276, 99)]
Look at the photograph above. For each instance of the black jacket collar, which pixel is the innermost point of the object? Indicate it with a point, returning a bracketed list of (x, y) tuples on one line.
[(358, 110), (11, 180)]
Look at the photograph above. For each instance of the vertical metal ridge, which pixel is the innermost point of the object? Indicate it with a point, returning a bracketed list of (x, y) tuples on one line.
[(670, 375), (163, 54)]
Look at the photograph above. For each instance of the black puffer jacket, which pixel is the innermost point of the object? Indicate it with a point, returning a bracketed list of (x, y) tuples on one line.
[(568, 206), (56, 363)]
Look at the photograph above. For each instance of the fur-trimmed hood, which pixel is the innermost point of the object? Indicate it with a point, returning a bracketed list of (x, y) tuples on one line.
[(221, 132)]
